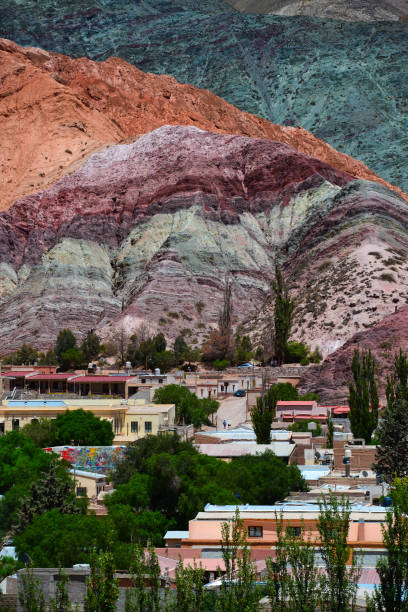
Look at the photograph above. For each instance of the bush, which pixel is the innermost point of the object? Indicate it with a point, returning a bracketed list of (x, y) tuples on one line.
[(221, 364), (302, 426), (295, 352)]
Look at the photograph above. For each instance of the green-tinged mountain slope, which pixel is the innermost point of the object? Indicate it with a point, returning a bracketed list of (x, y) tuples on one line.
[(345, 82)]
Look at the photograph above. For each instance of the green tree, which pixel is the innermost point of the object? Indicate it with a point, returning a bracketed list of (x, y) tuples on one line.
[(263, 413), (392, 450), (300, 588), (26, 354), (42, 432), (71, 359), (160, 343), (83, 428), (283, 316), (61, 601), (52, 491), (243, 349), (90, 346), (392, 569), (30, 594), (189, 409), (363, 396), (219, 343), (296, 352), (330, 431), (397, 386), (304, 426), (65, 341), (54, 539), (190, 594), (342, 579), (139, 598), (102, 590), (21, 464), (180, 350), (238, 590), (48, 358)]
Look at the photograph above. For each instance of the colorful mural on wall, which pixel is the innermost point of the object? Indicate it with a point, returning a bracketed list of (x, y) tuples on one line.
[(90, 458)]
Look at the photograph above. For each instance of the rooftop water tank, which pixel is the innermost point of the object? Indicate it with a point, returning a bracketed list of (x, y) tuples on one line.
[(128, 365), (157, 371)]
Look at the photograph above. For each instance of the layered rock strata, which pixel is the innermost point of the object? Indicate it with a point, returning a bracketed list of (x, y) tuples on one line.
[(56, 111), (344, 82), (149, 231)]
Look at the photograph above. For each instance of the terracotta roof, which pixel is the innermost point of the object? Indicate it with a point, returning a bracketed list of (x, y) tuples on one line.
[(295, 403), (102, 379), (61, 376), (18, 373)]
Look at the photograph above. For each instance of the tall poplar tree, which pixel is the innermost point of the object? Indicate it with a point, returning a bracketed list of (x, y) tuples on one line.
[(392, 450), (283, 317), (363, 395)]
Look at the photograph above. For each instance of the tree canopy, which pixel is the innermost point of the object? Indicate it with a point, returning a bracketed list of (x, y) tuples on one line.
[(189, 408), (179, 481), (83, 428), (283, 315), (363, 396)]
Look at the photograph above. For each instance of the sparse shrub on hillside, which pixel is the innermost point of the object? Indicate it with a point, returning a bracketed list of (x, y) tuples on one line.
[(199, 306), (385, 276), (221, 364)]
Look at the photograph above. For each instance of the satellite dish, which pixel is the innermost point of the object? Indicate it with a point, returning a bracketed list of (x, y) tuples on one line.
[(364, 474)]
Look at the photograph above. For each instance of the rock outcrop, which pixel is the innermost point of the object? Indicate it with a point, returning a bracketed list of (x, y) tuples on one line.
[(56, 111), (345, 10), (149, 231), (344, 82), (331, 379)]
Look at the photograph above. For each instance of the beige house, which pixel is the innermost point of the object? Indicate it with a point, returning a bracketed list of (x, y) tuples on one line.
[(130, 419), (142, 419), (88, 484)]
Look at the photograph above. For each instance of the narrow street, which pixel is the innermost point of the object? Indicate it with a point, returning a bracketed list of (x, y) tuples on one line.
[(233, 410)]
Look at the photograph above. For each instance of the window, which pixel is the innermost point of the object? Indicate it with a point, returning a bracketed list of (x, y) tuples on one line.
[(294, 531), (255, 532), (148, 426), (81, 491), (143, 381), (133, 427)]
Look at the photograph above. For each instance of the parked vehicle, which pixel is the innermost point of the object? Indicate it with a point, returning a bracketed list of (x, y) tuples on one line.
[(246, 365), (240, 393)]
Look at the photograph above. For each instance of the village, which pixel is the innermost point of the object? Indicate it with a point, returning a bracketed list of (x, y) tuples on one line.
[(342, 466)]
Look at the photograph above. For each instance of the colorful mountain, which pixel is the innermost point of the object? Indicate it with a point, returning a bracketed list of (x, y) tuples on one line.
[(345, 82)]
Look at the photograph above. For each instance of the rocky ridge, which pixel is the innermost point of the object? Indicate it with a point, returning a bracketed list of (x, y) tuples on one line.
[(331, 379), (56, 111), (344, 82), (345, 10), (149, 231)]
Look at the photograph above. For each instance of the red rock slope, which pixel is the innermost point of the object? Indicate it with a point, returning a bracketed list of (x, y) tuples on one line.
[(56, 111), (331, 379)]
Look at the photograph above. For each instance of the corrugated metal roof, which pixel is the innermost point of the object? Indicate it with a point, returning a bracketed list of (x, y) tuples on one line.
[(85, 474), (238, 449), (174, 535), (36, 403)]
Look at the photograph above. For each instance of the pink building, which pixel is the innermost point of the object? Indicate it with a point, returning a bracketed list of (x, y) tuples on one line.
[(299, 410)]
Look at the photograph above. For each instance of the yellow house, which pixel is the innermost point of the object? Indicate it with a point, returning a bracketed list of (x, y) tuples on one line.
[(130, 419), (142, 419), (88, 484)]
